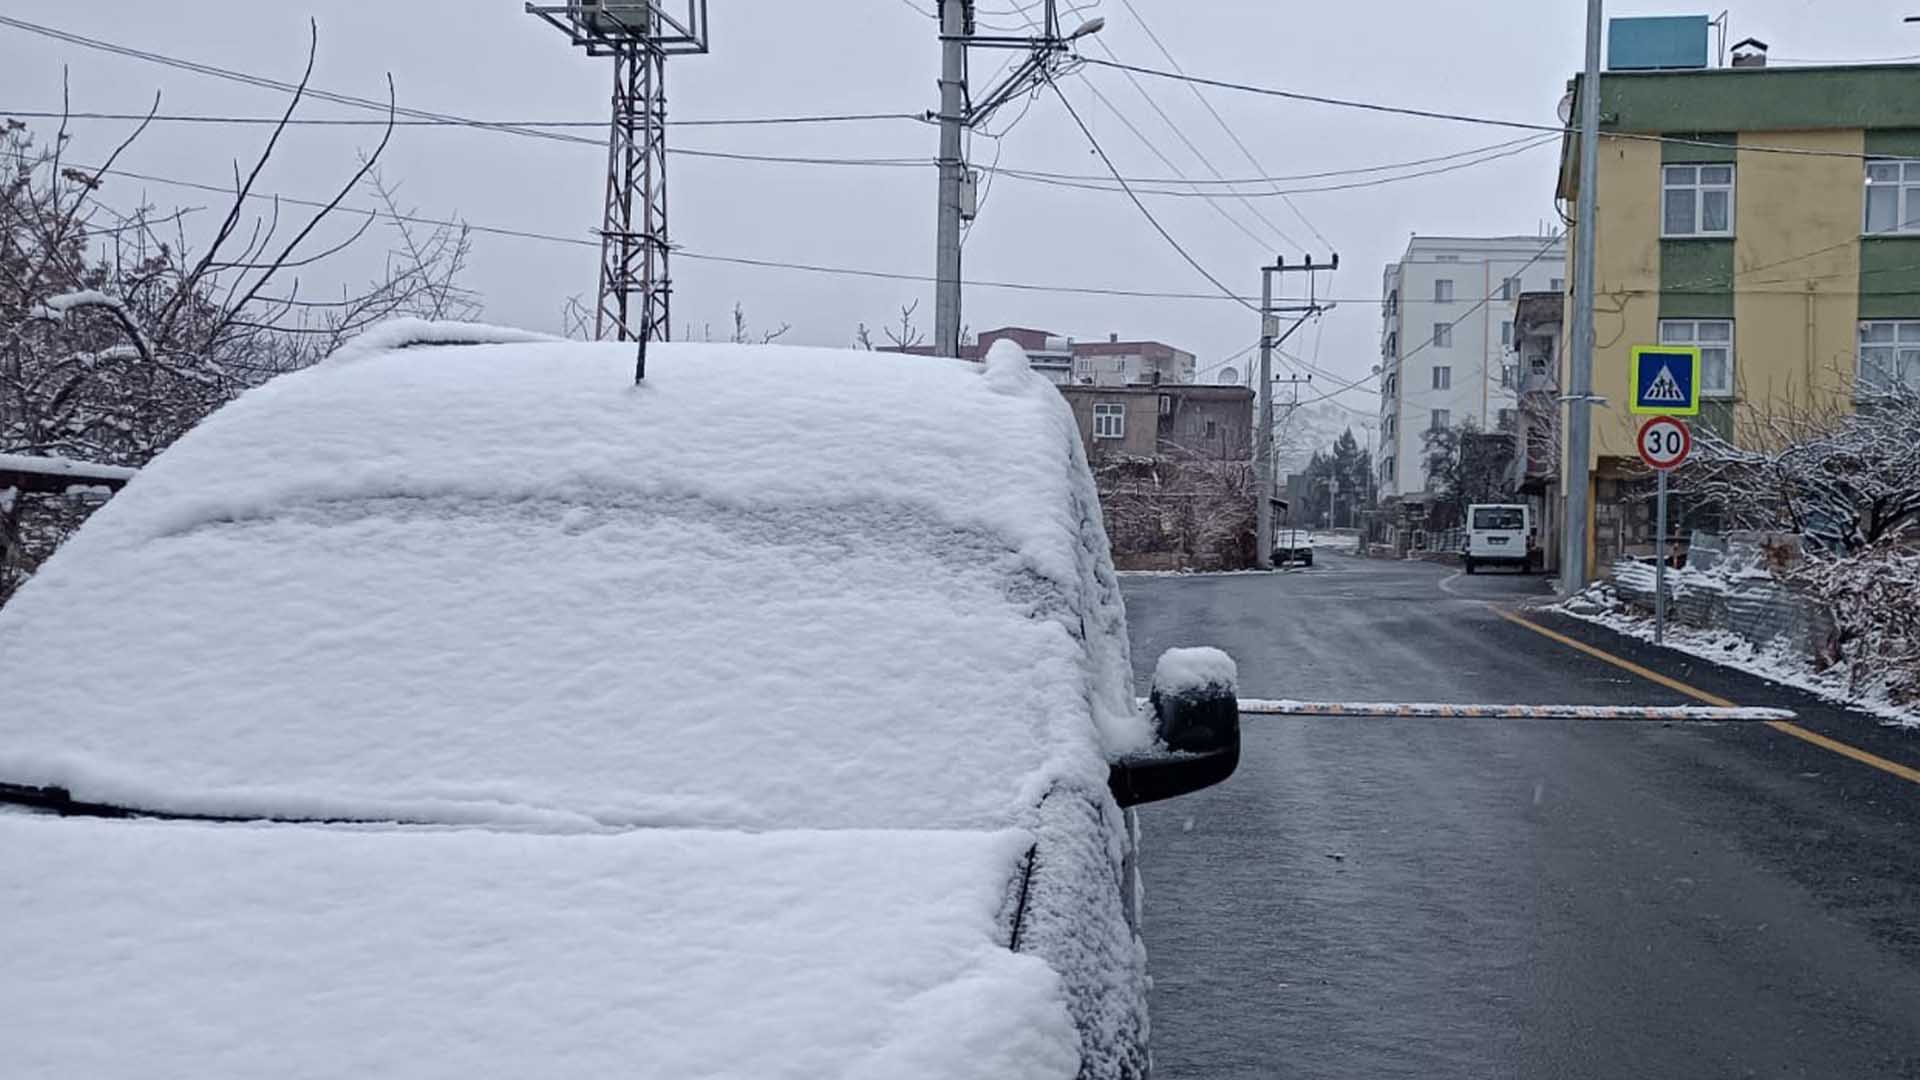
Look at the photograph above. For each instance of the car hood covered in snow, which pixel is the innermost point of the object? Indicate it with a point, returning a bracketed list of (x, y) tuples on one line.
[(149, 949), (498, 583)]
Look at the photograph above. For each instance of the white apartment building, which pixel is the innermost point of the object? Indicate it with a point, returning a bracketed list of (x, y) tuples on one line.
[(1446, 341)]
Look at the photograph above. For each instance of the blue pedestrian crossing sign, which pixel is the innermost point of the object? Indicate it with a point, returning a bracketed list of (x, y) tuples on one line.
[(1666, 380)]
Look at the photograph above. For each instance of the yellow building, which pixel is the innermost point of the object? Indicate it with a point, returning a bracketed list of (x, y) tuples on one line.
[(1765, 215)]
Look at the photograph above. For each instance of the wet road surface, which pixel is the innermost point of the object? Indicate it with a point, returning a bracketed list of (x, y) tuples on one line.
[(1375, 897)]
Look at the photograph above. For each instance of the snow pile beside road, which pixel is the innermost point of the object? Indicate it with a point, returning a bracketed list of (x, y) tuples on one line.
[(413, 954), (1195, 670), (1777, 661)]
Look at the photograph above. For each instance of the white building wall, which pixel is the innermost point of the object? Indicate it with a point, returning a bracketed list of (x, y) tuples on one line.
[(1476, 355)]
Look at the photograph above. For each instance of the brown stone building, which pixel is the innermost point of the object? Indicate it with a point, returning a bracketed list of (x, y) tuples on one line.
[(1174, 467)]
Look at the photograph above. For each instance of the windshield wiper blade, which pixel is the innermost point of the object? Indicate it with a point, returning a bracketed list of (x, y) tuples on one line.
[(59, 800), (55, 799)]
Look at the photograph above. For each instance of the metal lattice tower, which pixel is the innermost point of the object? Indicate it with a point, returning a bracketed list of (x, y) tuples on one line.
[(635, 286)]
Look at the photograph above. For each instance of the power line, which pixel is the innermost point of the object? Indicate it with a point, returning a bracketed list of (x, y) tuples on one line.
[(262, 82), (1181, 135), (1218, 119), (775, 264), (1091, 181), (1168, 162), (1147, 189), (1250, 181), (1464, 118), (1205, 162), (300, 121), (1144, 212)]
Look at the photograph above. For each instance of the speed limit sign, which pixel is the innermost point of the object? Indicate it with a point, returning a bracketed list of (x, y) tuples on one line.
[(1665, 442)]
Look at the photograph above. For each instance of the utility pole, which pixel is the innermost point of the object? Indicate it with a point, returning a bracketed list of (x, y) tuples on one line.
[(956, 25), (1573, 574), (639, 35), (1046, 50), (1269, 326)]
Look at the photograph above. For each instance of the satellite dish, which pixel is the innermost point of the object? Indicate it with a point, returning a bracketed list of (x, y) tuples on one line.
[(1565, 108), (1229, 377)]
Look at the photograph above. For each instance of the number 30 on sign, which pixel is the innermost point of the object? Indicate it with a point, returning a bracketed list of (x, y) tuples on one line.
[(1665, 442)]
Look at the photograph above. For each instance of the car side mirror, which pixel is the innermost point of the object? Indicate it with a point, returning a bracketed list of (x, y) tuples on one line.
[(1196, 717)]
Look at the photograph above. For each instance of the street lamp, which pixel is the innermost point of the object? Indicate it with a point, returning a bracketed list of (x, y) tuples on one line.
[(1091, 26)]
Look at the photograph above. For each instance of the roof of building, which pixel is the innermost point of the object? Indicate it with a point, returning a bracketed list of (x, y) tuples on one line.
[(1152, 350), (1185, 390)]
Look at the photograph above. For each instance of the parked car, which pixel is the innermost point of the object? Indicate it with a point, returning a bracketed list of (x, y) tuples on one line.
[(1292, 546), (1500, 535), (457, 707)]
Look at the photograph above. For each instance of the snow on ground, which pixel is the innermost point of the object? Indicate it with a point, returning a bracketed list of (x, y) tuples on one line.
[(144, 949), (1778, 662), (500, 583)]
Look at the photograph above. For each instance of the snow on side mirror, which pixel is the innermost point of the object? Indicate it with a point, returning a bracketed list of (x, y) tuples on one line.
[(1197, 719)]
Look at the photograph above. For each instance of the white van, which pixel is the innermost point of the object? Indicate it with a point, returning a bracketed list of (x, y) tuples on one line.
[(1500, 534)]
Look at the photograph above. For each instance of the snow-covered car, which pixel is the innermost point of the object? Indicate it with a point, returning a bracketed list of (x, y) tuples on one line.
[(458, 708), (1292, 546)]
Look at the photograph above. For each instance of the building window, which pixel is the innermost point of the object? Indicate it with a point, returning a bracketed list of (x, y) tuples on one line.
[(1715, 339), (1393, 344), (1082, 366), (1505, 419), (1393, 302), (1558, 284), (1510, 288), (1696, 200), (1509, 375), (1441, 420), (1213, 430), (1506, 332), (1442, 335), (1893, 197), (1443, 378), (1109, 420), (1443, 291), (1889, 356)]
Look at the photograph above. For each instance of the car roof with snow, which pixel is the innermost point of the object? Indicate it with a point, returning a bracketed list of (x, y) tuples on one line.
[(768, 587)]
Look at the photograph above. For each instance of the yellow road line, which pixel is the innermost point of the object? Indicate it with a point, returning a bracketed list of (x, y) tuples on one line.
[(1893, 768)]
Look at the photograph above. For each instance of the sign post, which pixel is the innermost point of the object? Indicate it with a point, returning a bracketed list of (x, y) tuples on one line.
[(1664, 444)]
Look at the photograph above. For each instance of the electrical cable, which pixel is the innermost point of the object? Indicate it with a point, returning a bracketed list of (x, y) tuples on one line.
[(1143, 189), (1218, 119), (301, 121), (1168, 162), (1464, 118), (1142, 207), (1089, 181), (589, 241), (1205, 162)]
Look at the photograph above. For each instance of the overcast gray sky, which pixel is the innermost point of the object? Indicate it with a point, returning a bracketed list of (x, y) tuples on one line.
[(488, 59)]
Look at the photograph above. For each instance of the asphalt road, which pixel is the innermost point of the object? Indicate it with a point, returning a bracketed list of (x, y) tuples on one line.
[(1375, 898)]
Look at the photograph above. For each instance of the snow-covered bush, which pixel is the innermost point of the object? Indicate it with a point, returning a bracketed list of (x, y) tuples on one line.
[(1875, 600), (122, 325), (1845, 476)]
